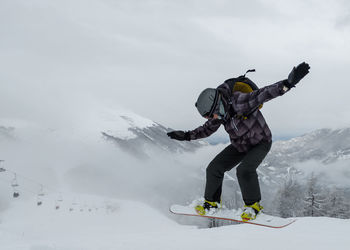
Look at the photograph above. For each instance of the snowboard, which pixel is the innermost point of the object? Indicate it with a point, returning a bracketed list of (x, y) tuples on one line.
[(262, 219)]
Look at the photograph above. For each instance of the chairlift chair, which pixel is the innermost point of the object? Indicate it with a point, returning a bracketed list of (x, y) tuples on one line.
[(2, 169), (39, 202), (14, 182), (40, 195), (73, 205), (60, 198), (58, 201), (14, 185)]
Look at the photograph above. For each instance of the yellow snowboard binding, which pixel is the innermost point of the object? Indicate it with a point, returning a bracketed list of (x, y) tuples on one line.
[(208, 207), (251, 211)]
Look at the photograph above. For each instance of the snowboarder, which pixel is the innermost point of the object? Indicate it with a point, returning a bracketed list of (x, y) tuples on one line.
[(235, 104)]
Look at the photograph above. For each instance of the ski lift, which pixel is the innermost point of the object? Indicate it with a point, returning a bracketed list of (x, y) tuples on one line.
[(2, 169), (58, 201), (14, 185), (83, 207), (14, 182), (39, 202), (73, 205), (60, 198), (40, 195)]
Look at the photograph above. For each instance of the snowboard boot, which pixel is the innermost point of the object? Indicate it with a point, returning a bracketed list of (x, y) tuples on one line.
[(251, 211), (208, 207)]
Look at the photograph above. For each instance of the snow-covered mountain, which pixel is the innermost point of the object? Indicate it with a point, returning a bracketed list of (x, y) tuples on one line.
[(325, 148), (140, 136), (130, 132), (325, 145)]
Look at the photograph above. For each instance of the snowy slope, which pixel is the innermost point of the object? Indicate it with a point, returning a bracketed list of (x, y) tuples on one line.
[(133, 225)]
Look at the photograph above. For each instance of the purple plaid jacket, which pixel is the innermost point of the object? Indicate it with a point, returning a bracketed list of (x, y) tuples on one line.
[(244, 133)]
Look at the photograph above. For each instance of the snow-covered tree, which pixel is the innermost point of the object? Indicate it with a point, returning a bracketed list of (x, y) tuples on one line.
[(315, 199), (337, 206), (288, 202)]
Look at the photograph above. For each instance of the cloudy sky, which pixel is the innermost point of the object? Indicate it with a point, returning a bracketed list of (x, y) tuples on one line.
[(60, 59)]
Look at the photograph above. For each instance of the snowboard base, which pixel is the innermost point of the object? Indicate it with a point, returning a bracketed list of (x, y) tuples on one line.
[(235, 215)]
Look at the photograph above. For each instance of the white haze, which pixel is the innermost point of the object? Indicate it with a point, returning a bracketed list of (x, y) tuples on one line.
[(80, 160), (337, 173)]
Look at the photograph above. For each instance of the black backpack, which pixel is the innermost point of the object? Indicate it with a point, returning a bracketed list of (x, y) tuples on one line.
[(245, 85), (242, 83)]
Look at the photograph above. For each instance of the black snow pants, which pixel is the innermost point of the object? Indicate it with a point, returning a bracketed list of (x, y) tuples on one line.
[(246, 172)]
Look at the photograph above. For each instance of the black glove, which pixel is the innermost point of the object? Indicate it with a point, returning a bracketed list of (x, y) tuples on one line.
[(179, 135), (297, 74)]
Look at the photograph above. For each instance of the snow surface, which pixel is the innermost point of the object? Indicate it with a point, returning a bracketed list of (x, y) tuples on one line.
[(133, 225)]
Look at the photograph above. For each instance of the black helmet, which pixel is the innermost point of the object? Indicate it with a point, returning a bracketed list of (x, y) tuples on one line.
[(207, 102)]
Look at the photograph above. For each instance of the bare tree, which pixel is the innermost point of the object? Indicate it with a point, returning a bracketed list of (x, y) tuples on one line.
[(315, 200), (337, 206), (289, 200)]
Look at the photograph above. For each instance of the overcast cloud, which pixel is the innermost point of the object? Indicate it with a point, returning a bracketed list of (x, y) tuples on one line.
[(61, 58)]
